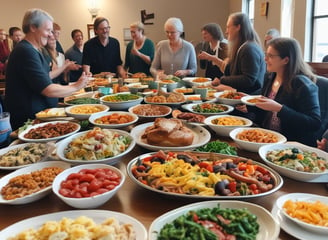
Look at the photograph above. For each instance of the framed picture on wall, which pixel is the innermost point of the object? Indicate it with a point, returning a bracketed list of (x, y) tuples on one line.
[(91, 32)]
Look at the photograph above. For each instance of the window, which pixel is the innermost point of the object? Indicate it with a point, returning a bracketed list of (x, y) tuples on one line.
[(249, 9), (319, 31)]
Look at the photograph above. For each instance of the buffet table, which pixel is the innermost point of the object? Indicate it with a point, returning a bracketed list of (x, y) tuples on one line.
[(143, 204)]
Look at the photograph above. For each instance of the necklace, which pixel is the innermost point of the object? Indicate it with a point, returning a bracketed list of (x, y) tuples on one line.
[(276, 83)]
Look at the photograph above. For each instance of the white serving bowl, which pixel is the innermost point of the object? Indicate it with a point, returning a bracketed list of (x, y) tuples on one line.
[(228, 101), (190, 82), (132, 80), (27, 170), (146, 111), (120, 105), (291, 173), (62, 145), (303, 197), (94, 117), (86, 202), (224, 130), (190, 107), (254, 146), (194, 82), (84, 116)]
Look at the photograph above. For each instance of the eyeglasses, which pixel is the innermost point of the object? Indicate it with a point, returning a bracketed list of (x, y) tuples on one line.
[(269, 55), (104, 28), (170, 33)]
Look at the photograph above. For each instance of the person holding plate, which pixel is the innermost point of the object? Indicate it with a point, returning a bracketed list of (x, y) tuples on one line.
[(290, 102)]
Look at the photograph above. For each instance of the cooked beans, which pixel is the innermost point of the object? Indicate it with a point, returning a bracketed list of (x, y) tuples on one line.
[(27, 184), (51, 130)]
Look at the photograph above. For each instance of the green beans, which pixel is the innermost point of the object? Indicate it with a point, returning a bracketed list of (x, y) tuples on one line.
[(83, 101), (205, 223)]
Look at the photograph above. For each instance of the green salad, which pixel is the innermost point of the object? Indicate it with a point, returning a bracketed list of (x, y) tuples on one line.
[(84, 100), (212, 224), (218, 147)]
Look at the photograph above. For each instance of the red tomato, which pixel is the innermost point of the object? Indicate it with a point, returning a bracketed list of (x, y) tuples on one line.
[(73, 176), (102, 190), (94, 186), (253, 186), (87, 177), (232, 186), (65, 192), (100, 175)]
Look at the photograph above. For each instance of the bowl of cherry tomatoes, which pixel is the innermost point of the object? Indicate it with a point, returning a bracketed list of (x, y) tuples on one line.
[(88, 185)]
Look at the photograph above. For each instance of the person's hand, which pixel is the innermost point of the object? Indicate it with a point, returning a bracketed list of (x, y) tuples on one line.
[(216, 82), (161, 75), (322, 144), (83, 80), (204, 56), (180, 73), (70, 65), (268, 104), (135, 52), (241, 108)]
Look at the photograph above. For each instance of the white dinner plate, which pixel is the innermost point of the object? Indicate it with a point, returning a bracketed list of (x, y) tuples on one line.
[(34, 196), (98, 216), (269, 227), (51, 148), (21, 135), (246, 99), (293, 228), (201, 137), (305, 197)]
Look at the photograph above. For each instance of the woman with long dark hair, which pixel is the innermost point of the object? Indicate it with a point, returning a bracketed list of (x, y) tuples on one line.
[(244, 68)]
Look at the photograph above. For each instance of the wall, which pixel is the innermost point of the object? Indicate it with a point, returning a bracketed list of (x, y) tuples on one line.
[(70, 14)]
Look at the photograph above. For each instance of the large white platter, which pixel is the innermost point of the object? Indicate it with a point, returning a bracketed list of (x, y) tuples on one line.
[(269, 227), (97, 215), (201, 137), (278, 181), (291, 173), (34, 196), (21, 135), (292, 227)]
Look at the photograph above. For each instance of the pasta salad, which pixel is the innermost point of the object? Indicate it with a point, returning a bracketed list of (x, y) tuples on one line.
[(97, 144)]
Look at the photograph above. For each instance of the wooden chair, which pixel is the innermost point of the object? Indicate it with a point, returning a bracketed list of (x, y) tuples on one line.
[(320, 68)]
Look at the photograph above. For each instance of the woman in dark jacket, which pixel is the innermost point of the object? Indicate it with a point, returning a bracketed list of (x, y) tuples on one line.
[(244, 68), (290, 104)]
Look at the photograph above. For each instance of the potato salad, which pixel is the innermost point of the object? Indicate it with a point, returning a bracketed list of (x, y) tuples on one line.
[(298, 160)]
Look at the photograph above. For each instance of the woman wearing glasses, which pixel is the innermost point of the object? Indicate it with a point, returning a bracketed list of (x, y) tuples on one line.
[(290, 104), (174, 56), (244, 68)]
